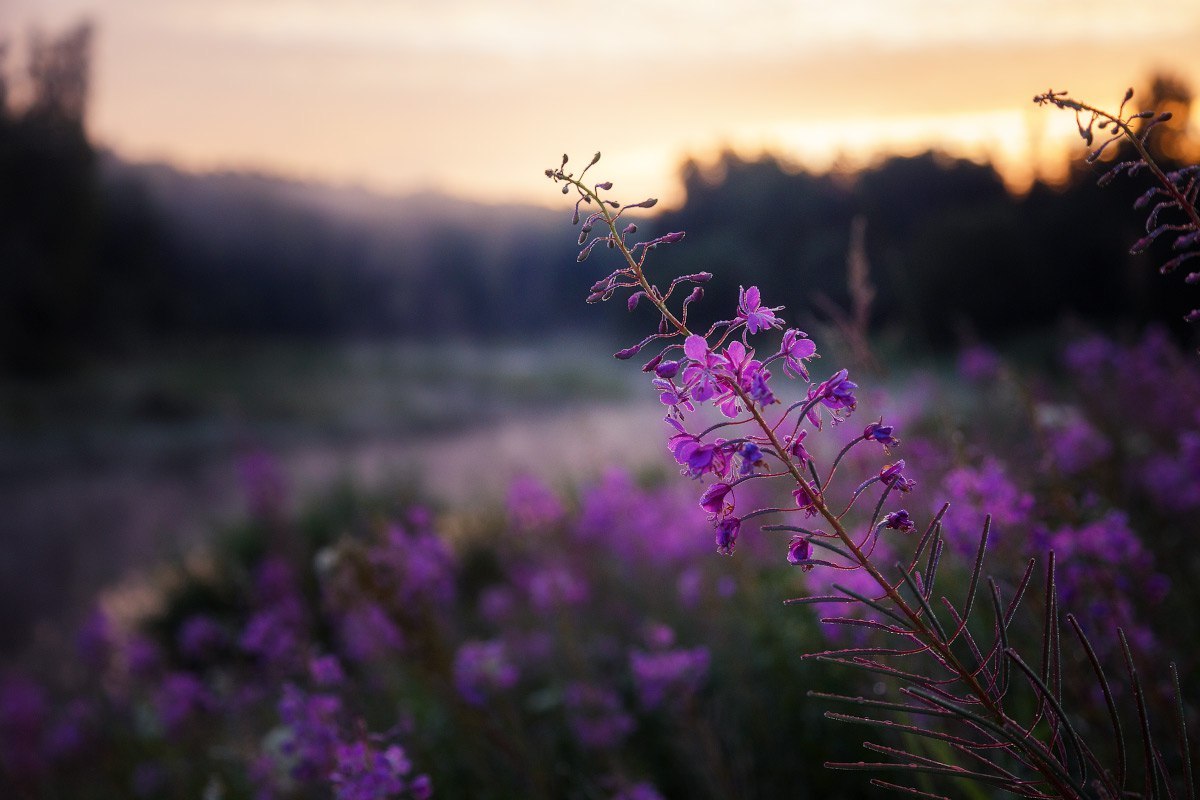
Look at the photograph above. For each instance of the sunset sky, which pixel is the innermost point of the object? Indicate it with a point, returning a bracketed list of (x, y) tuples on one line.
[(477, 97)]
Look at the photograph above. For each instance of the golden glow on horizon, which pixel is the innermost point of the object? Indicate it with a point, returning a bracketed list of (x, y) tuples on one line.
[(476, 98)]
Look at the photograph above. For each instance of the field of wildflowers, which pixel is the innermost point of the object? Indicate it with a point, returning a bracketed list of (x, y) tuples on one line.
[(1000, 610)]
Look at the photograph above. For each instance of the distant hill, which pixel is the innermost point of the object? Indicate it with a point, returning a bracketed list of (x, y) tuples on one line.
[(262, 254)]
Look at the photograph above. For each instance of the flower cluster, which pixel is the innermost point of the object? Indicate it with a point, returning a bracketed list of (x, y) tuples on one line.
[(728, 368)]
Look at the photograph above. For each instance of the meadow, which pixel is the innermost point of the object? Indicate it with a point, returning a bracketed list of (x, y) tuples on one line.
[(496, 571)]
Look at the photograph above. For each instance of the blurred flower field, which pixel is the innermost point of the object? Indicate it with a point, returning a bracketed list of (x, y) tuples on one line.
[(586, 640)]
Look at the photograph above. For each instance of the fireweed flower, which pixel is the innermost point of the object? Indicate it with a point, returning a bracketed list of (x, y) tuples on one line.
[(713, 500), (881, 433), (701, 376), (718, 367), (800, 551), (181, 697), (752, 456), (795, 349), (596, 716), (326, 671), (668, 676), (312, 732), (892, 476), (482, 669), (365, 771), (756, 316), (899, 521), (836, 394), (806, 496), (727, 534)]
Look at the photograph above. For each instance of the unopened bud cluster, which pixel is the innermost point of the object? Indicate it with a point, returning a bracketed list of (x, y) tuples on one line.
[(1173, 215)]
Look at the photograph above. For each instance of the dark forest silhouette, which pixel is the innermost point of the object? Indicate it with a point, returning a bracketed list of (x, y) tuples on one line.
[(101, 257)]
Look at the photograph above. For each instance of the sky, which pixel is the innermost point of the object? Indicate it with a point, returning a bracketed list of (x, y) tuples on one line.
[(478, 97)]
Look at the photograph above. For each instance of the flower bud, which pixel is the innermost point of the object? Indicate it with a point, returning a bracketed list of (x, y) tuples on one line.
[(667, 369), (653, 363), (628, 352)]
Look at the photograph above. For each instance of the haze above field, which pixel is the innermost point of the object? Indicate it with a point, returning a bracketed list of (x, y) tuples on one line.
[(476, 98)]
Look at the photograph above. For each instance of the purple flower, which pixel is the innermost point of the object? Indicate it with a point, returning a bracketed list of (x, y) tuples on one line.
[(143, 656), (415, 568), (556, 586), (799, 551), (696, 457), (368, 633), (671, 395), (795, 447), (727, 534), (974, 492), (836, 394), (806, 498), (752, 456), (900, 521), (326, 671), (759, 391), (1171, 478), (700, 374), (893, 475), (713, 500), (181, 697), (880, 433), (496, 604), (532, 505), (979, 364), (312, 722), (596, 716), (482, 669), (1076, 445), (363, 772), (756, 316), (667, 675), (796, 349), (275, 634)]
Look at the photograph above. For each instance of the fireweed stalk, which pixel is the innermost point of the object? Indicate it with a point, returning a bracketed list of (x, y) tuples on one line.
[(1173, 214), (719, 366)]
